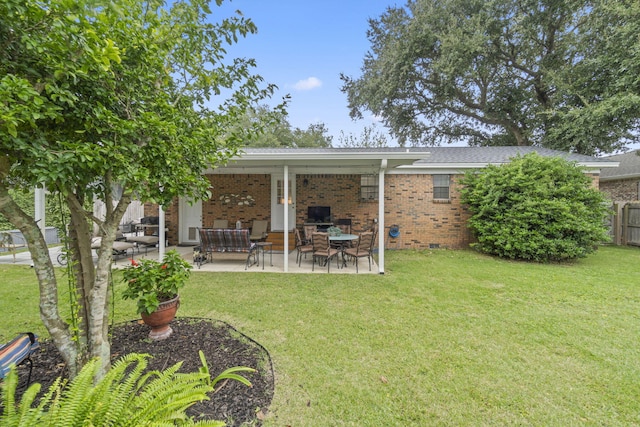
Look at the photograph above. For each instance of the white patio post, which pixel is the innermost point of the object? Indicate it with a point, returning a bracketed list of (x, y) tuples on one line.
[(39, 213), (161, 233), (285, 206), (381, 231)]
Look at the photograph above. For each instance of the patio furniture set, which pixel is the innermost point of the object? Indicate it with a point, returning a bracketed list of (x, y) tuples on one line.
[(220, 239), (335, 243), (324, 246)]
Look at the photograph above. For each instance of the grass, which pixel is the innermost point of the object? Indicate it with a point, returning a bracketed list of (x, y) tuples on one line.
[(444, 338)]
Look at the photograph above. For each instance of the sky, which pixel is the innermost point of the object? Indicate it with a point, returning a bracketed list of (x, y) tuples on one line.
[(302, 47)]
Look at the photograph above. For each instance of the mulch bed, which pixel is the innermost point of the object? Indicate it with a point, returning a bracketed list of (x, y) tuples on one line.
[(223, 346)]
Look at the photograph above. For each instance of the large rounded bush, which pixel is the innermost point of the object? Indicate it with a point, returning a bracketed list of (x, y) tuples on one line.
[(535, 208)]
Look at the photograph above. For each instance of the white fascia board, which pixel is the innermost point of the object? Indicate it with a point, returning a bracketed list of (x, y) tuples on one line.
[(299, 170), (321, 162), (280, 157), (429, 171), (455, 166), (620, 177), (599, 165)]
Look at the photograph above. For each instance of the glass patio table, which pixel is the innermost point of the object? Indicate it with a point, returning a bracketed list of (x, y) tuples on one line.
[(341, 240)]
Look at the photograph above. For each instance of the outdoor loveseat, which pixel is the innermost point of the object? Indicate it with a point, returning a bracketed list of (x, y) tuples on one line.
[(230, 240)]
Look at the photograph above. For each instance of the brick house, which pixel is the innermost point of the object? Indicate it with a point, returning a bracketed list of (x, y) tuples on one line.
[(622, 183), (413, 189)]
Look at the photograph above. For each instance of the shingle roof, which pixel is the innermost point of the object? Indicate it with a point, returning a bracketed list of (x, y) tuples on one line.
[(493, 155), (629, 166)]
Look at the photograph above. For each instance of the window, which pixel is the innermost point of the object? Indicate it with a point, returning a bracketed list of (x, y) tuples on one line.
[(441, 184), (369, 187), (280, 190)]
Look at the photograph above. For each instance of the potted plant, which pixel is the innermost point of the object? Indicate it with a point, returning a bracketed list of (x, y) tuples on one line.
[(155, 286)]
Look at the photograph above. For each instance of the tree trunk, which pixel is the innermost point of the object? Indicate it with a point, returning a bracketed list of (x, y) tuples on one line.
[(91, 336), (93, 281), (57, 327)]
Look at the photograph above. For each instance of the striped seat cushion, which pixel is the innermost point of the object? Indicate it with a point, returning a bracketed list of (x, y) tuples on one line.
[(238, 240), (217, 240), (17, 351)]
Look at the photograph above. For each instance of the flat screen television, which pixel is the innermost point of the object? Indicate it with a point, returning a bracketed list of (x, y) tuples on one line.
[(319, 214)]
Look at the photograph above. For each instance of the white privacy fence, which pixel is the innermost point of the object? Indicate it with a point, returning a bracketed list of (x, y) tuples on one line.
[(134, 212)]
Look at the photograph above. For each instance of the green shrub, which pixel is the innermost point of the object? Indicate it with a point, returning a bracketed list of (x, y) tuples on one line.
[(535, 208)]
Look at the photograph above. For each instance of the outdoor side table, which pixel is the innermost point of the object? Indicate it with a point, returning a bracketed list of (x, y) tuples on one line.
[(262, 246)]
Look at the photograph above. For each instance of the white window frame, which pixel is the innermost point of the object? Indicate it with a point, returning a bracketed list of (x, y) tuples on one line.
[(439, 187), (368, 187)]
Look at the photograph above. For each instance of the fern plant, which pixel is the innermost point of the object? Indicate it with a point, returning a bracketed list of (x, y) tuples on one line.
[(126, 396)]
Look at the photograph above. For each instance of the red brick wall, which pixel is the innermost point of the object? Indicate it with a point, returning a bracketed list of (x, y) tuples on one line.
[(423, 222), (238, 189), (409, 204), (623, 189), (340, 192)]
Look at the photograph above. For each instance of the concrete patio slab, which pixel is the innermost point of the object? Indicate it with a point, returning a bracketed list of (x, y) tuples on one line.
[(223, 262)]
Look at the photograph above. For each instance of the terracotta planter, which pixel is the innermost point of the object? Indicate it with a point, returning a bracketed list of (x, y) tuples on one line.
[(159, 320)]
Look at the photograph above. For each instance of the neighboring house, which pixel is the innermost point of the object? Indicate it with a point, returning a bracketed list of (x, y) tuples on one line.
[(415, 190), (622, 183)]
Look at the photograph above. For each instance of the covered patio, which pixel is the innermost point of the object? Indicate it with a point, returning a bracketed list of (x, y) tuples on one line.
[(284, 167), (222, 262), (235, 262)]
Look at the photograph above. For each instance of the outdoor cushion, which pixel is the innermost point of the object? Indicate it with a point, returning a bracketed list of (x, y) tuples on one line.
[(17, 351)]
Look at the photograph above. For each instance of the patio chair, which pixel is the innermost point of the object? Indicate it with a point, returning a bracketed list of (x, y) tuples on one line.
[(259, 230), (119, 247), (363, 248), (344, 224), (301, 247), (322, 250), (345, 228), (147, 241), (220, 223), (308, 231)]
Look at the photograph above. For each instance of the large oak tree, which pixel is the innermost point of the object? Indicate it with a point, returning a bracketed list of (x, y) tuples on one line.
[(560, 74), (112, 100)]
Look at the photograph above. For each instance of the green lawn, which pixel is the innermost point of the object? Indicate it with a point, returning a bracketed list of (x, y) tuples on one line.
[(444, 338)]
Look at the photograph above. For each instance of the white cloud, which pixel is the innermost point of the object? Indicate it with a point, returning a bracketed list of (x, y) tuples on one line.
[(308, 84)]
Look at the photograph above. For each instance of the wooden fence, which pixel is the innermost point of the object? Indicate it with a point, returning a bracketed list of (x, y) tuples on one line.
[(625, 223)]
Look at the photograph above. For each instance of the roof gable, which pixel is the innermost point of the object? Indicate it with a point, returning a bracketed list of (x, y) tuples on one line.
[(629, 167)]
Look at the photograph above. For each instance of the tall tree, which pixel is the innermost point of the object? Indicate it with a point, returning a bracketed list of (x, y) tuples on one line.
[(500, 72), (315, 135), (276, 131), (369, 138), (601, 93), (112, 100)]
